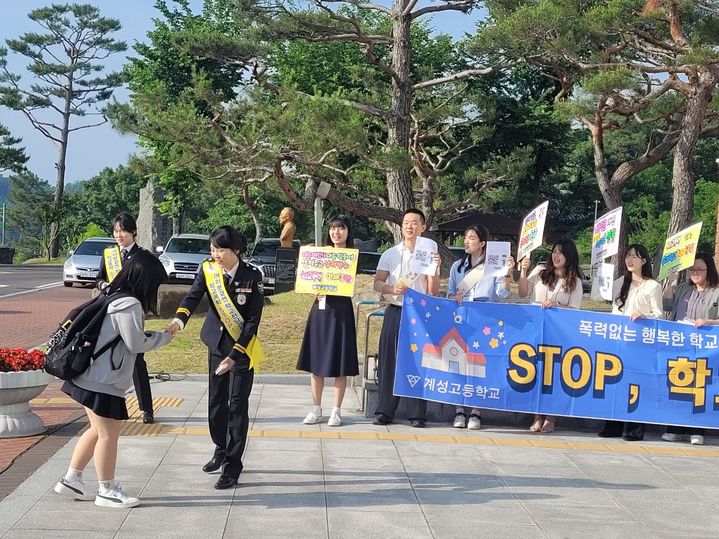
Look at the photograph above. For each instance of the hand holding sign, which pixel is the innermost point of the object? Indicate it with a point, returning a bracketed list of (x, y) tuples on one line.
[(532, 232), (680, 250)]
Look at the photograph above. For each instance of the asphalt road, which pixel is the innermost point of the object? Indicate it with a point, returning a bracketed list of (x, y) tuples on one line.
[(15, 280)]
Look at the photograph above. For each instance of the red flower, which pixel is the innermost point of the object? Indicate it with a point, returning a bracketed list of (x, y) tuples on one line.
[(19, 359)]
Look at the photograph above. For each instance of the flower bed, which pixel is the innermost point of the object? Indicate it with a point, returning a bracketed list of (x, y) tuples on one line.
[(19, 359)]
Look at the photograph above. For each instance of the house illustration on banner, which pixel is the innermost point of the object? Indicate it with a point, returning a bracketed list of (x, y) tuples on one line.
[(453, 355)]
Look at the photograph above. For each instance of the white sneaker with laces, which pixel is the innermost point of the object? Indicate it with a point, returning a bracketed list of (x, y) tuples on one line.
[(460, 421), (696, 439), (312, 418), (335, 419), (474, 422), (115, 498), (74, 489), (671, 437)]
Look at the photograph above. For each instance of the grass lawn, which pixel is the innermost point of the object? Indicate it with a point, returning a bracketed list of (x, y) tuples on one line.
[(45, 262), (281, 331)]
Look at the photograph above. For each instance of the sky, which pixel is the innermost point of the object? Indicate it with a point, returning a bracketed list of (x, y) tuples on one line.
[(91, 150)]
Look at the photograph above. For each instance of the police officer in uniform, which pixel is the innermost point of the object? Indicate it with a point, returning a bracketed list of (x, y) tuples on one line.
[(124, 229), (227, 276)]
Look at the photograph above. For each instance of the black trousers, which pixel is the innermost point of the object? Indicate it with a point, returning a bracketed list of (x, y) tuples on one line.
[(388, 337), (622, 428), (228, 412), (142, 384)]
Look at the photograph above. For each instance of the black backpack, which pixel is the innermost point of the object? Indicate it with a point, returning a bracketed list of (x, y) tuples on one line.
[(70, 350)]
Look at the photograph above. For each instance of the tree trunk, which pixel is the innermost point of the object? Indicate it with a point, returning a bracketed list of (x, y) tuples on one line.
[(253, 211), (60, 182), (682, 173), (399, 176), (177, 224)]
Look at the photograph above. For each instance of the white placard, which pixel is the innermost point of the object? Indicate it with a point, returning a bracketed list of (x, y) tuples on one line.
[(495, 258), (422, 260), (605, 240), (532, 232), (603, 283)]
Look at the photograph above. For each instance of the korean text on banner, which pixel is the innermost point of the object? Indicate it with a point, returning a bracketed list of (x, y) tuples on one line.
[(326, 270), (530, 237), (605, 240), (565, 362), (680, 250)]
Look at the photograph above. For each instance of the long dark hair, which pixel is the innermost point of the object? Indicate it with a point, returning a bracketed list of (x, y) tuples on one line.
[(483, 235), (712, 275), (571, 271), (344, 222), (640, 250), (227, 237), (140, 276)]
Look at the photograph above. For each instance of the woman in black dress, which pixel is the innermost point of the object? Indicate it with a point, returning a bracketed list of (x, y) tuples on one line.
[(329, 347)]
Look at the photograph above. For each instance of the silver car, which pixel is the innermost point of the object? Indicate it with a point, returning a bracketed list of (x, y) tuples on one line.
[(83, 263), (183, 255)]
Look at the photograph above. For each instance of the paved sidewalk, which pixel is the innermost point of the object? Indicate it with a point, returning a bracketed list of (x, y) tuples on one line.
[(27, 320), (362, 480)]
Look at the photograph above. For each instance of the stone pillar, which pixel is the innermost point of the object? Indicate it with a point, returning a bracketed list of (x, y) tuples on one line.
[(153, 229)]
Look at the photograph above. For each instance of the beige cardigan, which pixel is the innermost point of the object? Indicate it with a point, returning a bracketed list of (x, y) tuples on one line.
[(645, 298)]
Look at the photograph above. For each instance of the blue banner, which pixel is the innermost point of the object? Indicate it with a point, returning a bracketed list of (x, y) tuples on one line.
[(561, 362)]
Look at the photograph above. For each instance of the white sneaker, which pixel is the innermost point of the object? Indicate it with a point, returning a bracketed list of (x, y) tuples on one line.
[(474, 422), (335, 419), (312, 418), (116, 499), (74, 489), (671, 437), (696, 439), (460, 421)]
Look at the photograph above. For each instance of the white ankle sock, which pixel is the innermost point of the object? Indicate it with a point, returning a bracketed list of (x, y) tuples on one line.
[(336, 410), (73, 475), (317, 410), (106, 485)]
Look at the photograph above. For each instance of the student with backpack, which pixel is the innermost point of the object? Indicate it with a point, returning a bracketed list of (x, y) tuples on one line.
[(124, 230), (101, 388)]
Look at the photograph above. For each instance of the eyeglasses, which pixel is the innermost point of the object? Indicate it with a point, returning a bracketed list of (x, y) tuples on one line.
[(697, 270), (632, 256)]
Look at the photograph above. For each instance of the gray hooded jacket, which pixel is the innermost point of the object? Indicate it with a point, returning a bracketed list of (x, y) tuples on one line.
[(111, 373)]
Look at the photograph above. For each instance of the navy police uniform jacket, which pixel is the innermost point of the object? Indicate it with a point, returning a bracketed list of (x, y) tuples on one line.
[(246, 292)]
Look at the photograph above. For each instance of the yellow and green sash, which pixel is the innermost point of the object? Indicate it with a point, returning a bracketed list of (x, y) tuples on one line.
[(228, 313), (113, 262)]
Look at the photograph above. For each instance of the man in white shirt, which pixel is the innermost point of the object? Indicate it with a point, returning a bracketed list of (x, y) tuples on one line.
[(392, 279)]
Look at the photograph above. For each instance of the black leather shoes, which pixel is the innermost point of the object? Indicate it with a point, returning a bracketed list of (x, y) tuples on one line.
[(381, 419), (148, 417), (417, 423), (225, 481), (214, 464)]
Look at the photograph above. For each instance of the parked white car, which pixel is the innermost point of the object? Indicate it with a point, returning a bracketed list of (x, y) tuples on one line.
[(183, 255), (83, 263)]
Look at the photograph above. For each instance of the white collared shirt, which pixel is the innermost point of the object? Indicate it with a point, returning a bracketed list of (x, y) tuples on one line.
[(232, 271), (396, 261)]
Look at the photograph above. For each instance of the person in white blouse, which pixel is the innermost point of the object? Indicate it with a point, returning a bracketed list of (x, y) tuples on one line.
[(486, 288), (636, 295), (558, 284)]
